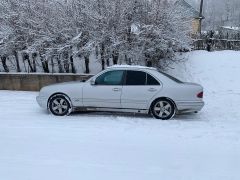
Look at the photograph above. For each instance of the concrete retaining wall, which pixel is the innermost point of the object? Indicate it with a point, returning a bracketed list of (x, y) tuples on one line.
[(34, 82)]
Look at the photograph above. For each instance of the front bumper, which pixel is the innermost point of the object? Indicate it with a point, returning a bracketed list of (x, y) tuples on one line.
[(189, 106), (42, 101)]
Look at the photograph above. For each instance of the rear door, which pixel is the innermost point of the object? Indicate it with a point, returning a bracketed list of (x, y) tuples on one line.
[(138, 89)]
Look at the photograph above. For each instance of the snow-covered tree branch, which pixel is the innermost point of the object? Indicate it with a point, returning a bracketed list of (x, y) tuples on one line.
[(53, 35)]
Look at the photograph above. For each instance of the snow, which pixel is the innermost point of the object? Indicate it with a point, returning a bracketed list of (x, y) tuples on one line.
[(231, 28), (77, 37), (36, 145), (130, 66)]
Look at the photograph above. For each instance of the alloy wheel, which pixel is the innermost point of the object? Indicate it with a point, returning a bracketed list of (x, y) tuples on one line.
[(163, 109), (59, 106)]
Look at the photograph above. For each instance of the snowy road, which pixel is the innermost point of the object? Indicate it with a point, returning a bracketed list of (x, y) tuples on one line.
[(35, 145)]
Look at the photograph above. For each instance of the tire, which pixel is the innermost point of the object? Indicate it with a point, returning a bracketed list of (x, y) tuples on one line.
[(163, 109), (59, 105)]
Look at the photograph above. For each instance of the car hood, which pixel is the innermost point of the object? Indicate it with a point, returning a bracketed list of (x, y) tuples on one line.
[(62, 86), (65, 83)]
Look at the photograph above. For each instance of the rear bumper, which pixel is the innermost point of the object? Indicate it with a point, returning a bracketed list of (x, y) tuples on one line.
[(189, 106)]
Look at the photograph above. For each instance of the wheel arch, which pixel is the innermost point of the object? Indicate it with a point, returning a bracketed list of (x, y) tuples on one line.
[(163, 98), (60, 94)]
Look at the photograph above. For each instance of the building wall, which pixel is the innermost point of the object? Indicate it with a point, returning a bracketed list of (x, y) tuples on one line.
[(34, 82), (195, 26)]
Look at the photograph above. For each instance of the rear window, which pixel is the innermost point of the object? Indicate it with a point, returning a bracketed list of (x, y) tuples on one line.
[(171, 77)]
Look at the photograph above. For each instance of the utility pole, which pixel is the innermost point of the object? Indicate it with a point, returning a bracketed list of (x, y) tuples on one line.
[(201, 17)]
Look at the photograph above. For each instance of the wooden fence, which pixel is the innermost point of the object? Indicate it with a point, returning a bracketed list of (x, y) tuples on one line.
[(216, 44)]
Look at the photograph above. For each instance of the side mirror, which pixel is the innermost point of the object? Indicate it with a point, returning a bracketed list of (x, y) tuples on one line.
[(92, 82)]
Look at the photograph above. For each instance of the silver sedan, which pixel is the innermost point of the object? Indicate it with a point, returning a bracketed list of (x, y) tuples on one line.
[(135, 89)]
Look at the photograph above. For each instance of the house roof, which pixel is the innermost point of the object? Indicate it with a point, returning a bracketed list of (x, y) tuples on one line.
[(188, 9)]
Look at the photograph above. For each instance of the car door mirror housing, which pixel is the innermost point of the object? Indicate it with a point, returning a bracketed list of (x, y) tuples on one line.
[(92, 82)]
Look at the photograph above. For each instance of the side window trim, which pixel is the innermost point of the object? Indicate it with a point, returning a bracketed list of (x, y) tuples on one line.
[(146, 75), (124, 78)]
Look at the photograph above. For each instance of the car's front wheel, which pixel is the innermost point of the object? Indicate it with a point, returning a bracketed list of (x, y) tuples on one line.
[(163, 109), (59, 105)]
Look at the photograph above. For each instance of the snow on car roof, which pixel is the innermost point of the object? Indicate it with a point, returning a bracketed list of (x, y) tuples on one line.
[(131, 66)]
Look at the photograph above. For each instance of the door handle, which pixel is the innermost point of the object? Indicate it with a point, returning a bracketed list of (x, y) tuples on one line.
[(152, 89), (116, 89)]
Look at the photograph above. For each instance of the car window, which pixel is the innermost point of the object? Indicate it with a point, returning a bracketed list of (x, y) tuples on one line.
[(152, 81), (171, 77), (110, 78), (136, 78)]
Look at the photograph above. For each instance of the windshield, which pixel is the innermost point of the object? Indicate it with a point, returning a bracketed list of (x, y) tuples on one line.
[(171, 77)]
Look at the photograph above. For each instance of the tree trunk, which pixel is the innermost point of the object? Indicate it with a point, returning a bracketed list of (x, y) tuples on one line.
[(115, 56), (72, 64), (65, 56), (4, 63), (17, 61), (108, 57), (96, 51), (60, 68), (102, 56), (34, 56), (129, 40), (128, 60), (149, 63), (44, 65), (108, 63), (87, 64), (52, 63), (66, 66), (26, 58)]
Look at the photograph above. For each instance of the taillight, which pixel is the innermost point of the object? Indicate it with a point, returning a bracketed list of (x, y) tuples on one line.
[(200, 95)]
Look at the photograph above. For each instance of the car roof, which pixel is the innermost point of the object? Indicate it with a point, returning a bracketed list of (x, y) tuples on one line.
[(129, 67)]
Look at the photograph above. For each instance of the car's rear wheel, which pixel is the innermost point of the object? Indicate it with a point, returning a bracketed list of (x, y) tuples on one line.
[(163, 109), (59, 105)]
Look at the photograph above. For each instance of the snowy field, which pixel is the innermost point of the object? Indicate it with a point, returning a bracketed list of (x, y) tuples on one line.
[(35, 145)]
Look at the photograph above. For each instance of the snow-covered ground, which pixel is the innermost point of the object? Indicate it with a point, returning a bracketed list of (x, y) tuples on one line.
[(35, 145)]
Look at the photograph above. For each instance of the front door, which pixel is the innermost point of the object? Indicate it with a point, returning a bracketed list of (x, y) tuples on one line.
[(106, 91)]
